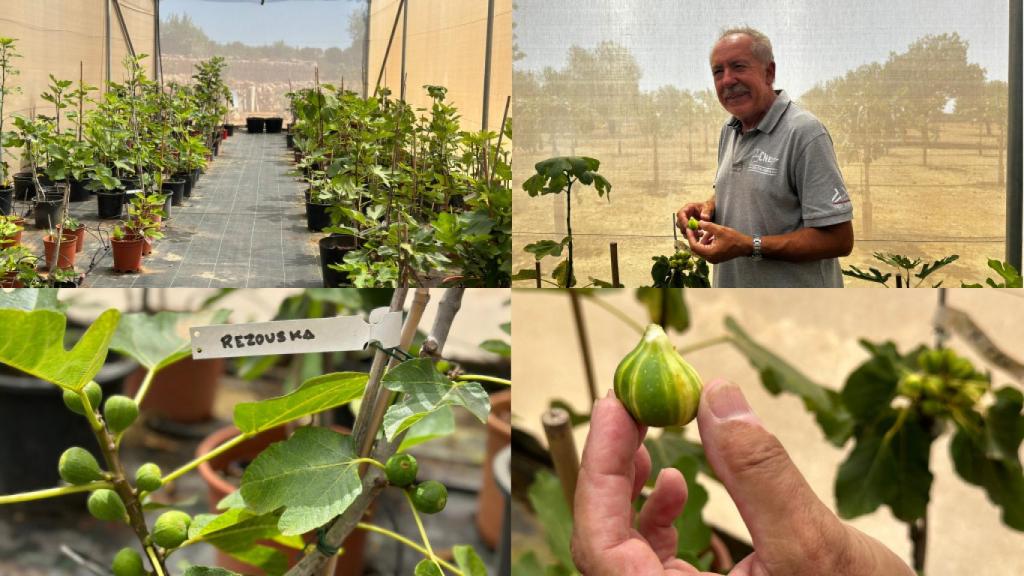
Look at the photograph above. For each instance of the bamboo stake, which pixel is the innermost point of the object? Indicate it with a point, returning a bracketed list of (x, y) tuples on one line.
[(558, 429)]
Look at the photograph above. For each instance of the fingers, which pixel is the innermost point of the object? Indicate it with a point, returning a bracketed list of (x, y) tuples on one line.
[(607, 478), (787, 521), (661, 509), (641, 469)]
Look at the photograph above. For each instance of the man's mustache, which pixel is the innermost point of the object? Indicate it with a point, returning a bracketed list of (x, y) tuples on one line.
[(738, 90)]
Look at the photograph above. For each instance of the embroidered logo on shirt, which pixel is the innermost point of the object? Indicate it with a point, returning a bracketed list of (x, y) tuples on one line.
[(762, 163), (840, 197)]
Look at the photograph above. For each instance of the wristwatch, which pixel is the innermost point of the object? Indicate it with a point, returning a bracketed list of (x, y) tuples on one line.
[(756, 254)]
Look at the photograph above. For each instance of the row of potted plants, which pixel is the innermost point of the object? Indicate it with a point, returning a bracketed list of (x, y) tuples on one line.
[(406, 198), (140, 144)]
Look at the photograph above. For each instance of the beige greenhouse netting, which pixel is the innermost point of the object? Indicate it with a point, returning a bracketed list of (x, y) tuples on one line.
[(914, 95), (446, 44), (54, 36)]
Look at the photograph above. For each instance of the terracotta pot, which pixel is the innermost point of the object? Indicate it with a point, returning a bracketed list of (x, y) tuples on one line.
[(80, 238), (349, 564), (490, 502), (68, 250), (127, 254), (183, 392), (10, 280)]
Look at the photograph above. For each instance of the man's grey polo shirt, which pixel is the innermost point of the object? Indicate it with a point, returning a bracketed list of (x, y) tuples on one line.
[(778, 178)]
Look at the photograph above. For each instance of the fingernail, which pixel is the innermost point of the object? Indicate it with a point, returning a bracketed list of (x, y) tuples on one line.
[(726, 401), (609, 394)]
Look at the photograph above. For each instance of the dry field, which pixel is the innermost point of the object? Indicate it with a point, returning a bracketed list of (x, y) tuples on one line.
[(954, 205)]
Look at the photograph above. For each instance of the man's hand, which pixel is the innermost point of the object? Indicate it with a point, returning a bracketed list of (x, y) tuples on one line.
[(793, 532), (700, 210), (716, 243)]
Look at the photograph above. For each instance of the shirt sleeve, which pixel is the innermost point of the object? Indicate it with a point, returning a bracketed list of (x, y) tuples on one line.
[(823, 196)]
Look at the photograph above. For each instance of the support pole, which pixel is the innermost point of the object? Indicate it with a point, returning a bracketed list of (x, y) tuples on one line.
[(536, 267), (581, 334), (405, 40), (558, 429), (614, 249), (391, 40), (366, 50), (106, 34), (158, 63), (1014, 182), (124, 28), (487, 65)]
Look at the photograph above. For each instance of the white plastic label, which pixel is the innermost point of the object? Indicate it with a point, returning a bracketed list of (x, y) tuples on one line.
[(297, 336)]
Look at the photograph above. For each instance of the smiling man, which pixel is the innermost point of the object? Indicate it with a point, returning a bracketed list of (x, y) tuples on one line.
[(780, 215)]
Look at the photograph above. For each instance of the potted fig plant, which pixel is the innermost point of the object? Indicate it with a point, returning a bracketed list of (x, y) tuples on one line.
[(126, 246), (346, 472), (8, 52), (11, 228), (18, 267)]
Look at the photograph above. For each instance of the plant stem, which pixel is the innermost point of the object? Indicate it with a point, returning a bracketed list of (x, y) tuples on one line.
[(481, 378), (423, 531), (144, 387), (367, 461), (618, 314), (398, 537), (209, 455), (53, 492), (919, 539), (568, 229), (704, 344)]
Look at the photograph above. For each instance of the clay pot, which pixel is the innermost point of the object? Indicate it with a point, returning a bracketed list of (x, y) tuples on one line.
[(127, 254), (10, 280), (79, 238), (183, 392), (349, 564), (491, 502), (68, 249)]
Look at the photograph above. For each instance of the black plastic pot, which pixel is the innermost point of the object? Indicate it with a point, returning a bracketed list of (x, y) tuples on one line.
[(254, 125), (39, 427), (23, 185), (187, 178), (317, 217), (47, 213), (332, 251), (274, 125), (230, 128), (167, 205), (6, 201), (79, 193), (110, 203), (176, 188)]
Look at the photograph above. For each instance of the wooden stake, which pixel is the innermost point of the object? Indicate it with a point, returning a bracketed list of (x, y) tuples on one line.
[(558, 429), (614, 248)]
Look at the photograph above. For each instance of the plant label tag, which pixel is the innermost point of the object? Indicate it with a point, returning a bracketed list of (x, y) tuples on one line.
[(296, 336)]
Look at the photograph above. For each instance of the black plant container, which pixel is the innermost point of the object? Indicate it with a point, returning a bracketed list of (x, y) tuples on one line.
[(317, 217), (332, 251), (274, 125), (39, 427), (176, 188), (6, 201), (23, 185), (79, 193), (47, 213), (110, 203), (290, 141), (255, 125)]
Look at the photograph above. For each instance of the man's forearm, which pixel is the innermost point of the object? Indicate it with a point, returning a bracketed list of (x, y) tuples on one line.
[(808, 244)]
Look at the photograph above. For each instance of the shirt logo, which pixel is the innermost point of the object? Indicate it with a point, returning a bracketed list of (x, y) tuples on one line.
[(762, 163), (839, 197)]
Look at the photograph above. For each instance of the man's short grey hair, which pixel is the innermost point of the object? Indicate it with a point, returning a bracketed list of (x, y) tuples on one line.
[(761, 46)]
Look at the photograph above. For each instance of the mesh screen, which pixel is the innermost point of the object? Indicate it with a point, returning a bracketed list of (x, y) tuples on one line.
[(446, 42), (913, 93)]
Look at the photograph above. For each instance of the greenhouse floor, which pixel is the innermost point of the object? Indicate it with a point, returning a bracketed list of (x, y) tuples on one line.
[(32, 534), (243, 226)]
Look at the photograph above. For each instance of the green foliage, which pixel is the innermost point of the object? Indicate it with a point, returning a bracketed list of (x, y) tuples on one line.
[(315, 395), (1011, 278), (681, 270), (426, 391), (905, 270), (8, 52), (159, 340)]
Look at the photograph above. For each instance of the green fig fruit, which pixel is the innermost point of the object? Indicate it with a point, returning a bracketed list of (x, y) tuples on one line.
[(107, 505), (693, 224), (78, 466), (120, 412), (401, 470), (171, 529), (148, 477), (74, 402), (655, 384), (128, 562), (429, 497)]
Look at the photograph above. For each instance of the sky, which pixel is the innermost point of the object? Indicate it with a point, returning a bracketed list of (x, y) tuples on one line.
[(302, 23), (813, 41)]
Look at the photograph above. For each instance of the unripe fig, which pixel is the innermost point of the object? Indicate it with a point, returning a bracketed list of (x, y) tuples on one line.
[(171, 529), (933, 385), (931, 361), (107, 505), (74, 402), (128, 563), (78, 466), (429, 497), (147, 477), (692, 224), (961, 368), (120, 412), (655, 384), (426, 567), (911, 385), (401, 470)]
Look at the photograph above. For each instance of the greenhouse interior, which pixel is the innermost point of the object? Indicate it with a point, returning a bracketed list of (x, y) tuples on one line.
[(914, 96), (256, 454), (238, 143)]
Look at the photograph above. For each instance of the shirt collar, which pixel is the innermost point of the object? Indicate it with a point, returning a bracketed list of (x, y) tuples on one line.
[(771, 119)]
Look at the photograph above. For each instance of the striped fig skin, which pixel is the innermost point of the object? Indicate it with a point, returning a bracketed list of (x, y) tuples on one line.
[(655, 384)]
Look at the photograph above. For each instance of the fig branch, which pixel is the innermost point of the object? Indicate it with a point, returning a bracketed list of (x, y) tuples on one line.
[(374, 481)]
